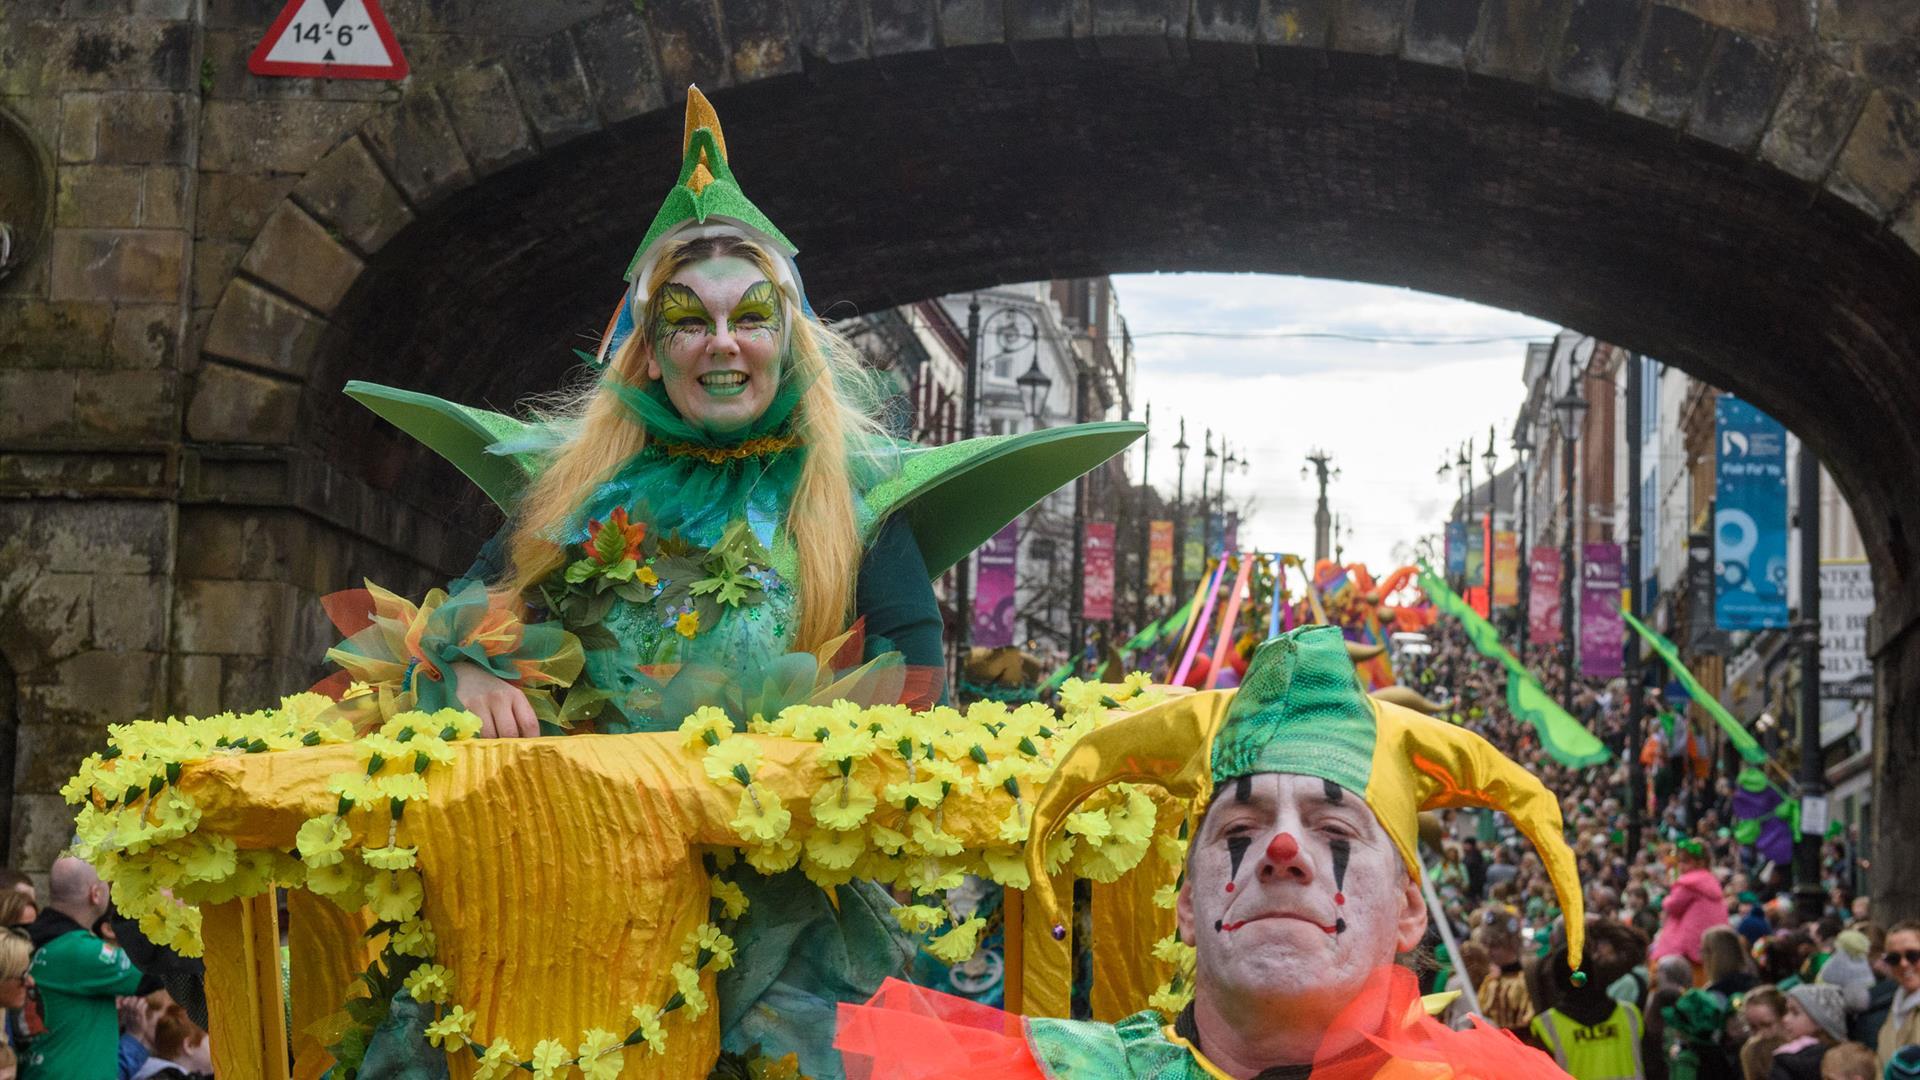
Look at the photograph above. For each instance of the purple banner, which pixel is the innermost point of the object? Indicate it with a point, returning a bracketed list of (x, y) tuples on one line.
[(1602, 631), (993, 588)]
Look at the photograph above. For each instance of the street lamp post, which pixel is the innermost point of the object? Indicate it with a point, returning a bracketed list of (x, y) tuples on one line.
[(1463, 469), (1206, 502), (1079, 608), (1636, 600), (1808, 895), (1523, 462), (1010, 340), (1571, 408), (1180, 512), (1146, 525), (1323, 470), (1491, 457)]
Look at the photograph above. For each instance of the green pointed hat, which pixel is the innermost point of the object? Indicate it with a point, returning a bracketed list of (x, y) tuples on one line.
[(1301, 709)]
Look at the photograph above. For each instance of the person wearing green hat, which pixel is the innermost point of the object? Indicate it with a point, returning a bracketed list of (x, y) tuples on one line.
[(713, 519), (1301, 892)]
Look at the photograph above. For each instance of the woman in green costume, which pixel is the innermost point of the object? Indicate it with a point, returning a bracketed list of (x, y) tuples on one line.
[(709, 519)]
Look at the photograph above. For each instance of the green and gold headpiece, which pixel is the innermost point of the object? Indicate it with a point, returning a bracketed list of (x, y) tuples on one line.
[(1301, 709)]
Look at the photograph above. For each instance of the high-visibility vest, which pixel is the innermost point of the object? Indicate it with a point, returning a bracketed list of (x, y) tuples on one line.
[(1609, 1050)]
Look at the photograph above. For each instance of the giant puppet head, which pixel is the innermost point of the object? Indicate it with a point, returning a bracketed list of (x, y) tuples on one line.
[(1303, 872)]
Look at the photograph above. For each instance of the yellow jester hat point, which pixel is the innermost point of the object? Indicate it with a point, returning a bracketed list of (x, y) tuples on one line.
[(1301, 709)]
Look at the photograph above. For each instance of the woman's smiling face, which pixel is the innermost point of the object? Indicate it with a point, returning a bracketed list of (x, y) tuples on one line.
[(717, 339)]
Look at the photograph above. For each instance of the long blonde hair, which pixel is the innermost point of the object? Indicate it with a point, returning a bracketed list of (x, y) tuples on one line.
[(820, 524)]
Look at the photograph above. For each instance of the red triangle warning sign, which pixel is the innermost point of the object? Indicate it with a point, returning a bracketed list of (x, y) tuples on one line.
[(330, 39)]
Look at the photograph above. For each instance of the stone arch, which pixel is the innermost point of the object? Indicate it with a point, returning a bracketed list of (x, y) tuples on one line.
[(1730, 187)]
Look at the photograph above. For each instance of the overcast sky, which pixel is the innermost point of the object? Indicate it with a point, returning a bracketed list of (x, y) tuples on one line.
[(1387, 413)]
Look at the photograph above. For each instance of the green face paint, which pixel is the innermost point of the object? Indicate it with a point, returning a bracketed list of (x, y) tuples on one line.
[(720, 373)]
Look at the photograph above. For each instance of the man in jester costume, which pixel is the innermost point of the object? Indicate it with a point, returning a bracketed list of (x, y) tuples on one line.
[(1301, 891), (713, 521)]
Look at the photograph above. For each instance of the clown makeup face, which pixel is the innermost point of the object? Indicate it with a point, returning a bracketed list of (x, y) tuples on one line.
[(717, 342), (1294, 894)]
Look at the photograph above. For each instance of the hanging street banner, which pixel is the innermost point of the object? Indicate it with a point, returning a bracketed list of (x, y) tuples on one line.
[(1160, 558), (1193, 550), (1097, 567), (993, 602), (1846, 603), (1506, 569), (1602, 635), (1749, 518), (1543, 596), (329, 39), (1476, 555), (1456, 548)]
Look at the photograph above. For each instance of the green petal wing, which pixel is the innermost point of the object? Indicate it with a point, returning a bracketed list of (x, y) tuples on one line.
[(955, 497), (459, 433)]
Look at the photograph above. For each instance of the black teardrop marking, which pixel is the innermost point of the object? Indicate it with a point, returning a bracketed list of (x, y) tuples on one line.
[(1218, 926), (1342, 850), (1243, 789), (1335, 793), (1339, 926), (1237, 850)]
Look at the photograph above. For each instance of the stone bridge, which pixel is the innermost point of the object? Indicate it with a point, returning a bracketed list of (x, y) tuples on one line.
[(201, 257)]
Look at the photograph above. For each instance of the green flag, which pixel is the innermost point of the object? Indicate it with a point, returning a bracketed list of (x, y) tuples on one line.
[(1563, 737), (1736, 732)]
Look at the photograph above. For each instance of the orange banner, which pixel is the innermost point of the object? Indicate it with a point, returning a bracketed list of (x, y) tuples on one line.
[(1506, 569), (1160, 558)]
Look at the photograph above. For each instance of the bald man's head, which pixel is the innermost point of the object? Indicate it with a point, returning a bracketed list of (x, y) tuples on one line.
[(74, 889)]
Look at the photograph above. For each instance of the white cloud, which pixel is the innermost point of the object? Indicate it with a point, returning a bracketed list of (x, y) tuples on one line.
[(1387, 413)]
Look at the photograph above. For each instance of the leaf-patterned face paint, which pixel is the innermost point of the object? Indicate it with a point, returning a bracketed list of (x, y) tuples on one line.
[(720, 371)]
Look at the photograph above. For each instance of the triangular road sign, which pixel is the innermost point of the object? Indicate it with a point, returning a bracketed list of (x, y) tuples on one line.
[(330, 39)]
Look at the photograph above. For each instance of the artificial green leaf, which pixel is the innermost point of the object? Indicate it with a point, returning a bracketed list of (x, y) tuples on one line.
[(580, 570)]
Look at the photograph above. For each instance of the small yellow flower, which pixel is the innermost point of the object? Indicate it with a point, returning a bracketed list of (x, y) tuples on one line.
[(932, 839), (687, 981), (732, 758), (774, 858), (389, 858), (706, 727), (1168, 1001), (921, 792), (321, 840), (919, 918), (1009, 868), (835, 850), (341, 881), (733, 899), (688, 624), (710, 939), (1166, 896), (1091, 825), (958, 944), (395, 895), (428, 984), (451, 1030), (600, 1055), (646, 1021), (498, 1061), (549, 1059), (1171, 950), (402, 787), (843, 804), (761, 819), (413, 938), (646, 576)]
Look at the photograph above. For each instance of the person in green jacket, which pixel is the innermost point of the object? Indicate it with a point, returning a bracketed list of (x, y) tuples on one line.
[(79, 975)]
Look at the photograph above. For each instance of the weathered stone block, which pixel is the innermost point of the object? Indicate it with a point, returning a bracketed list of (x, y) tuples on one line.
[(234, 406), (163, 197), (486, 118), (1515, 37), (130, 612), (1140, 29), (1881, 161), (1813, 118), (37, 334), (553, 88), (1599, 35), (761, 39), (969, 22), (145, 129), (836, 30), (298, 256), (902, 26), (253, 326), (1659, 81), (49, 618), (97, 685), (94, 53), (1305, 23), (42, 826), (1041, 31), (128, 404), (241, 617), (233, 206), (1739, 92), (195, 685), (1774, 20), (124, 265), (691, 46), (146, 336), (280, 136), (348, 191), (34, 403), (1441, 31), (616, 50), (415, 141), (1226, 22), (231, 542), (79, 127), (214, 264), (1370, 26), (163, 9), (98, 196), (1868, 20), (48, 754), (114, 536)]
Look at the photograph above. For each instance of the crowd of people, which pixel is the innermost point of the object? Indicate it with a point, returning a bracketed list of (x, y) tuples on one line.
[(74, 1005), (1701, 967)]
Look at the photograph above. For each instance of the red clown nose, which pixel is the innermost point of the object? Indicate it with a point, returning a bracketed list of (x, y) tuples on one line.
[(1283, 849)]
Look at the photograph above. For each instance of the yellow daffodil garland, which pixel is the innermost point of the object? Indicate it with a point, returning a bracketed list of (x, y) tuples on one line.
[(888, 776)]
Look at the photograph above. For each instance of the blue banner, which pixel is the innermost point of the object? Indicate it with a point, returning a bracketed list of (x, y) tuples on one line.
[(1456, 548), (1749, 518)]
